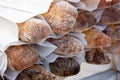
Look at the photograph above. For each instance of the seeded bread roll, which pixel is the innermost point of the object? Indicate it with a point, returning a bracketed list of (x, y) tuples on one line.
[(33, 30), (96, 39), (85, 20), (61, 17), (97, 56), (67, 45), (65, 67), (22, 56), (110, 16), (113, 31), (35, 72)]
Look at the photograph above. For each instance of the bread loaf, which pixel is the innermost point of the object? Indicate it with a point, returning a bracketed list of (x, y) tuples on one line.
[(107, 3), (85, 21), (61, 17), (35, 72), (65, 67), (96, 39), (67, 45), (110, 16), (113, 31), (114, 48), (21, 56), (97, 56), (33, 30)]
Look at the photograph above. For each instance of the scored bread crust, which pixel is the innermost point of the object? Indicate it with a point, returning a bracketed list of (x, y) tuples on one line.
[(96, 39), (85, 21), (61, 17), (67, 45), (33, 30), (22, 56)]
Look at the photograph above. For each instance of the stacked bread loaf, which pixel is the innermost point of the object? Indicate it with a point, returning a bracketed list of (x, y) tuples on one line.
[(64, 19)]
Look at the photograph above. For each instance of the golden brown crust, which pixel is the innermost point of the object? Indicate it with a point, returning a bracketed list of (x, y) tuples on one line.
[(110, 16), (85, 21), (96, 39), (113, 31), (65, 67), (97, 56), (107, 3), (61, 17), (33, 30), (114, 48), (22, 56), (35, 72), (67, 45)]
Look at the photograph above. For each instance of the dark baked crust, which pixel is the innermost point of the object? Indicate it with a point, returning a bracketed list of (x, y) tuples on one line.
[(85, 20), (97, 56), (65, 67), (113, 31), (35, 72), (110, 16)]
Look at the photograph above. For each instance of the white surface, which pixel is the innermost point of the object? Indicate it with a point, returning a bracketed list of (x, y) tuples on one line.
[(74, 1), (8, 33), (89, 70), (110, 74), (87, 4), (3, 63), (21, 10), (91, 5)]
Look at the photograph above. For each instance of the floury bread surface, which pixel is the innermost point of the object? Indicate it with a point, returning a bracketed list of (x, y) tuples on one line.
[(61, 17), (33, 30), (67, 45), (22, 56)]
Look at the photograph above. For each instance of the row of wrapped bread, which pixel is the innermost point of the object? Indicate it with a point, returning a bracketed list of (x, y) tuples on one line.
[(101, 28)]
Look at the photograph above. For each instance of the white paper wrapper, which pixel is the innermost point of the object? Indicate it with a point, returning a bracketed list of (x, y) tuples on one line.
[(99, 27), (91, 5), (10, 74), (52, 57), (3, 63), (80, 5), (8, 33), (20, 11), (117, 60), (98, 14), (87, 4), (74, 1), (45, 49)]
